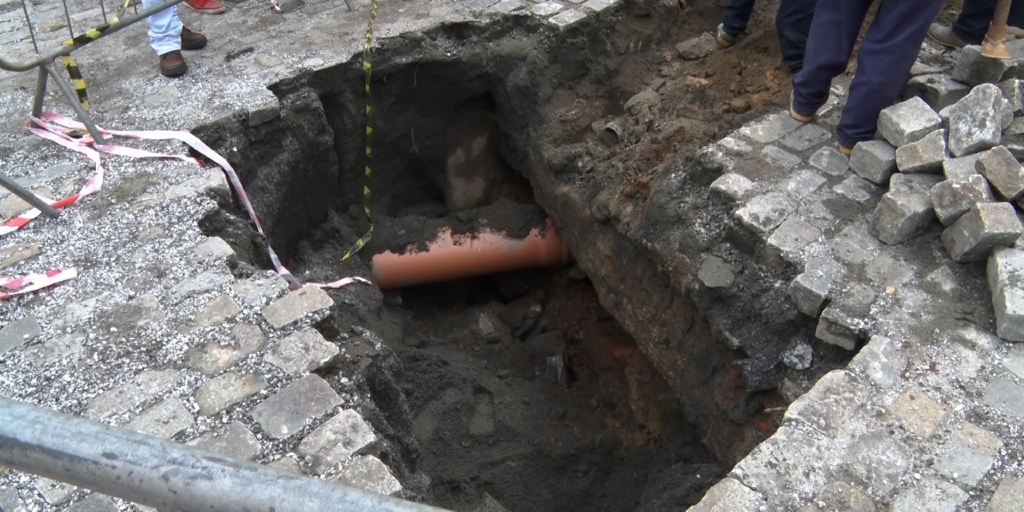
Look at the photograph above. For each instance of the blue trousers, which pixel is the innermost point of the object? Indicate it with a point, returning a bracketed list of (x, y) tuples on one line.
[(890, 48), (792, 20), (976, 15)]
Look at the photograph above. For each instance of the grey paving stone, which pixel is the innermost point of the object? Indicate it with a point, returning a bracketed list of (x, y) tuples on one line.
[(974, 124), (924, 155), (732, 186), (298, 304), (53, 491), (204, 282), (900, 215), (212, 183), (1004, 396), (813, 288), (907, 122), (830, 404), (764, 213), (963, 167), (779, 157), (10, 502), (831, 161), (480, 4), (715, 272), (887, 271), (838, 495), (938, 90), (64, 347), (163, 420), (545, 9), (983, 228), (921, 415), (217, 311), (874, 160), (1008, 496), (17, 253), (508, 6), (791, 237), (876, 462), (847, 319), (856, 189), (1005, 111), (1014, 361), (301, 352), (18, 333), (806, 137), (771, 128), (1013, 91), (930, 494), (339, 438), (599, 5), (259, 289), (132, 394), (802, 183), (1008, 303), (264, 113), (881, 361), (214, 248), (916, 182), (973, 69), (783, 467), (953, 198), (566, 18), (968, 455), (286, 464), (1005, 268), (290, 409), (854, 245), (369, 473), (94, 503), (214, 358), (735, 145), (697, 47), (727, 495), (222, 392), (1001, 169), (234, 441)]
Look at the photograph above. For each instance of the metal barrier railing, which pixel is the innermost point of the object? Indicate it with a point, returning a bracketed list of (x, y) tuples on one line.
[(43, 61), (163, 474)]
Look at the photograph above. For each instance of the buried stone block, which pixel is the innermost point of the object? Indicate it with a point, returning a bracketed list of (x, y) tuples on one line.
[(812, 289), (984, 227), (953, 198), (900, 215), (975, 123), (1001, 169), (1006, 282), (907, 122), (764, 213), (848, 318), (874, 160), (924, 155)]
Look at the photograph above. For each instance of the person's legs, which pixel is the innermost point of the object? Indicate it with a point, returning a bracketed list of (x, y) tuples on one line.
[(164, 28), (889, 49), (793, 22), (834, 31), (737, 17), (974, 19)]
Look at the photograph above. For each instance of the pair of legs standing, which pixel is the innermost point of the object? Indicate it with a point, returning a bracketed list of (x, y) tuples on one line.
[(167, 35), (792, 20), (886, 55)]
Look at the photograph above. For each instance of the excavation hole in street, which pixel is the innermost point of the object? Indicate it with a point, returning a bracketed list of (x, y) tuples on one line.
[(636, 389)]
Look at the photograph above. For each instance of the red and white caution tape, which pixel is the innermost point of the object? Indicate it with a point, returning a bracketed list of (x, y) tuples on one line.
[(59, 129), (13, 286)]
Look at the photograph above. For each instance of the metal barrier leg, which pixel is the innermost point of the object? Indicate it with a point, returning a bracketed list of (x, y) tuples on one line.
[(37, 100), (28, 196), (69, 94)]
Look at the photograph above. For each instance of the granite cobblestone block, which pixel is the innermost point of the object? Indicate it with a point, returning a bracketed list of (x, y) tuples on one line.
[(831, 161), (974, 122), (938, 90), (234, 440), (900, 215), (732, 186), (812, 289), (907, 122), (963, 167), (369, 473), (339, 438), (296, 305), (969, 454), (288, 411), (984, 227), (1001, 169), (953, 198), (973, 69), (1005, 272), (874, 160), (302, 352), (924, 155), (222, 392), (764, 213)]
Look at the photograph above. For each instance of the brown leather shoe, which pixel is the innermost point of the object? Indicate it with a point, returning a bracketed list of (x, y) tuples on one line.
[(192, 40), (172, 64)]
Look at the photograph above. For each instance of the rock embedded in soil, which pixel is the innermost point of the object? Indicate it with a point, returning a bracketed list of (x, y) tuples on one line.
[(698, 47), (975, 123), (907, 122)]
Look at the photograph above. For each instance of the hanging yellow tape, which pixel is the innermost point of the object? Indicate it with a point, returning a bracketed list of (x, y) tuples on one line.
[(367, 72)]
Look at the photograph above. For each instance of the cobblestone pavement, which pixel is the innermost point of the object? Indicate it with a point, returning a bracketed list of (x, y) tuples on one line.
[(164, 333)]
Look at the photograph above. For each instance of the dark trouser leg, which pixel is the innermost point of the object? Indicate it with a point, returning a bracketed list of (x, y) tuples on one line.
[(973, 21), (834, 31), (889, 49), (793, 22), (736, 18)]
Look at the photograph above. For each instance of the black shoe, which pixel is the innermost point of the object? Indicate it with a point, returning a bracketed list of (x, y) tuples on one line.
[(192, 40)]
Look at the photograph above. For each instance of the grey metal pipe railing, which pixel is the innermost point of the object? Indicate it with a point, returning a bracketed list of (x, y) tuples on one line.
[(163, 474)]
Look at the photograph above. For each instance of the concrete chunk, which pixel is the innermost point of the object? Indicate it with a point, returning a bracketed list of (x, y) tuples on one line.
[(974, 122), (874, 160), (907, 122), (977, 232), (953, 198), (1001, 169), (924, 155), (900, 215), (296, 305)]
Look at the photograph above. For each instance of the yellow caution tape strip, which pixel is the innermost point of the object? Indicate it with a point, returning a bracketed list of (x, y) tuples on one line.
[(69, 62), (367, 72)]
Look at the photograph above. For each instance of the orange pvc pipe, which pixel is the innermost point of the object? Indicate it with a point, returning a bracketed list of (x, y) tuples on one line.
[(454, 256)]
